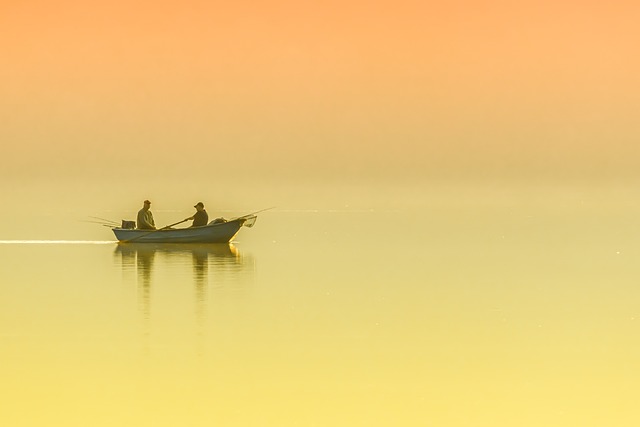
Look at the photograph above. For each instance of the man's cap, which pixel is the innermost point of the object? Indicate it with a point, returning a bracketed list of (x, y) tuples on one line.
[(199, 204), (146, 201)]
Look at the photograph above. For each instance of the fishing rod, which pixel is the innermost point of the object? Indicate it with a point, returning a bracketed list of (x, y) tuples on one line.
[(106, 224), (105, 220), (253, 213)]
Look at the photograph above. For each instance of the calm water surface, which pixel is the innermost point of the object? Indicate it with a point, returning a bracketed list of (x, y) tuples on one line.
[(479, 313)]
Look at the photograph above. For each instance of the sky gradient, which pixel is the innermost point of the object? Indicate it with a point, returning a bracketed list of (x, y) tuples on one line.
[(320, 90)]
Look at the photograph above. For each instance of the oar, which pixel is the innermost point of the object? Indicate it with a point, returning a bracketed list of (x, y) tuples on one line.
[(153, 231)]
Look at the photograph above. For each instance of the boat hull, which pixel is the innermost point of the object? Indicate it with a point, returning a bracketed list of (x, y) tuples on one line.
[(212, 233)]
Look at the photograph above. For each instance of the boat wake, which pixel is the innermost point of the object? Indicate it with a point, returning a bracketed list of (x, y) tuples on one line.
[(57, 242)]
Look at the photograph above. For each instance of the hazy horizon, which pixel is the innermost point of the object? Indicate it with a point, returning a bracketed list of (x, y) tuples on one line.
[(392, 92)]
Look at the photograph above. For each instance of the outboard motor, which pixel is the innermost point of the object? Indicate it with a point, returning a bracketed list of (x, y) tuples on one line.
[(128, 225)]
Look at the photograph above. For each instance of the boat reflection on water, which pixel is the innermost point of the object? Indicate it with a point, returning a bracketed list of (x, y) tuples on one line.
[(208, 266), (218, 256)]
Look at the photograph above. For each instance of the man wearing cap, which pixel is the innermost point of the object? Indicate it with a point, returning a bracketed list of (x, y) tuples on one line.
[(145, 217), (201, 217)]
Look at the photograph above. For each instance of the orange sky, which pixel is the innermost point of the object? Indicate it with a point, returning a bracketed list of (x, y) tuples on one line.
[(368, 90)]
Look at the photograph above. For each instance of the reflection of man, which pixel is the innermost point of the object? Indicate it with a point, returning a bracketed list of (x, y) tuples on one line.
[(201, 217), (145, 217)]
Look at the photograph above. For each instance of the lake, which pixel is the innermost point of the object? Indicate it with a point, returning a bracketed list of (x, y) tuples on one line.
[(455, 306)]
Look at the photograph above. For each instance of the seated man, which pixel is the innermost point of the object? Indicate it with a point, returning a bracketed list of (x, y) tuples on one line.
[(201, 217), (145, 217)]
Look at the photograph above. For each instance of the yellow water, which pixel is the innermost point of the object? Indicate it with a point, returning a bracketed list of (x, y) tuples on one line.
[(460, 306)]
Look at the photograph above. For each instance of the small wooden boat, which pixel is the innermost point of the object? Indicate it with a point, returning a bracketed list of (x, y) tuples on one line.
[(214, 232)]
